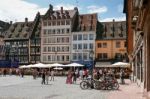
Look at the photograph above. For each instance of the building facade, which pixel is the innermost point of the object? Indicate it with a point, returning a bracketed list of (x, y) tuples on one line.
[(22, 42), (57, 27), (111, 43), (83, 40), (3, 26), (138, 17)]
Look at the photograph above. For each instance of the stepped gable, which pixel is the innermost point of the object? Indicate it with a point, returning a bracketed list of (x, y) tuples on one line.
[(59, 14)]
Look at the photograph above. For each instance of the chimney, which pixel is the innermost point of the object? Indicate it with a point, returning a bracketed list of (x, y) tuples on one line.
[(51, 7), (113, 20), (26, 20), (61, 9), (11, 22)]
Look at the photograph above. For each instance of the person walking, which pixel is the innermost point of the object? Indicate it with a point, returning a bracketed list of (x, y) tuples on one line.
[(122, 74), (52, 75), (69, 77), (47, 76), (81, 74), (43, 77), (74, 75)]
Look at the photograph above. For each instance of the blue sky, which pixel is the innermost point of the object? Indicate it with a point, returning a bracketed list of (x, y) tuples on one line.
[(106, 9)]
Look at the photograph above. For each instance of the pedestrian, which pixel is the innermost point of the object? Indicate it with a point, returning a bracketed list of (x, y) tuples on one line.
[(52, 75), (43, 77), (22, 73), (4, 72), (81, 74), (47, 76), (69, 78), (122, 74), (10, 72), (74, 77)]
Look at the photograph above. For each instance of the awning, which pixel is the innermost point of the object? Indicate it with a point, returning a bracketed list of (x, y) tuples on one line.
[(103, 64)]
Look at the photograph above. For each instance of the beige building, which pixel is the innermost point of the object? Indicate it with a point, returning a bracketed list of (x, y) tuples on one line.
[(57, 27)]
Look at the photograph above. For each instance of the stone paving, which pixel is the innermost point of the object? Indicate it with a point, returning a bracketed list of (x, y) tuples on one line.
[(26, 88), (15, 87), (127, 91)]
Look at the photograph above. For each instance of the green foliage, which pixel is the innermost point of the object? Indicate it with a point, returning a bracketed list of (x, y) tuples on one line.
[(99, 30)]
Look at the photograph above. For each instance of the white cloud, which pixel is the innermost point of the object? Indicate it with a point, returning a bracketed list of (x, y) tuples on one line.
[(96, 9), (120, 8), (65, 6), (110, 19), (18, 10)]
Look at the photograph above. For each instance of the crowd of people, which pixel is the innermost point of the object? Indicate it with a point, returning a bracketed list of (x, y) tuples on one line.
[(96, 74), (72, 74)]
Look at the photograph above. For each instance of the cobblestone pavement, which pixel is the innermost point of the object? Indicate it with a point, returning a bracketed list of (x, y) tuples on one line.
[(26, 88), (15, 87)]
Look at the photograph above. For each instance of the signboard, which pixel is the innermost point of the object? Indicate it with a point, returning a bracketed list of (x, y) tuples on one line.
[(9, 64)]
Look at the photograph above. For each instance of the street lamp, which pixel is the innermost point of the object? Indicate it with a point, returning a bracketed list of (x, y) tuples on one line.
[(91, 56)]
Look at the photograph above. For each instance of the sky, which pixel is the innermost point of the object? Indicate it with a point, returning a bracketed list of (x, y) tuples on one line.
[(17, 10)]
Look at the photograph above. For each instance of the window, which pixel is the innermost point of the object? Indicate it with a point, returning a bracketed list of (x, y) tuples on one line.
[(79, 46), (99, 56), (53, 49), (85, 46), (125, 44), (85, 56), (44, 31), (58, 49), (79, 56), (45, 49), (104, 45), (67, 58), (91, 46), (67, 49), (80, 37), (58, 58), (85, 37), (49, 49), (63, 31), (58, 22), (63, 58), (53, 31), (67, 22), (58, 31), (74, 37), (74, 46), (54, 23), (74, 56), (118, 44), (62, 22), (68, 30), (67, 39), (99, 45), (49, 58), (91, 37), (102, 56), (63, 49), (49, 31), (118, 55), (49, 23), (45, 23)]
